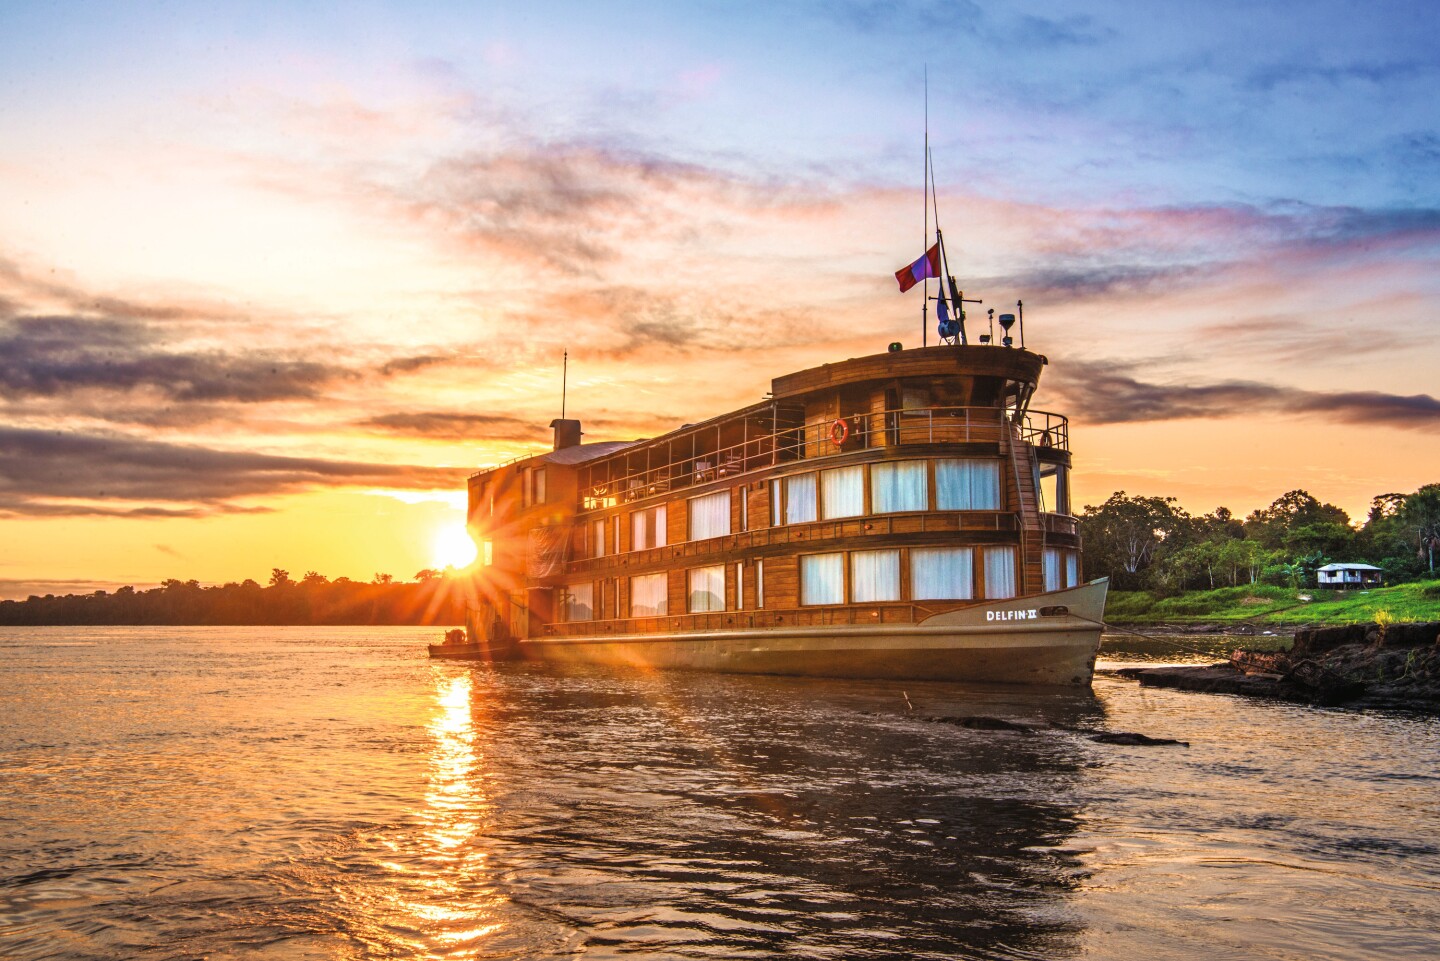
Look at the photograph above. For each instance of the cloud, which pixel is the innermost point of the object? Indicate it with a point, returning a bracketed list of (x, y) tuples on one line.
[(1109, 393), (50, 473), (452, 425), (51, 356)]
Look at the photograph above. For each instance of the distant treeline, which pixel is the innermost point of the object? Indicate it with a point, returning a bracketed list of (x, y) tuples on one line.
[(432, 599), (1151, 544)]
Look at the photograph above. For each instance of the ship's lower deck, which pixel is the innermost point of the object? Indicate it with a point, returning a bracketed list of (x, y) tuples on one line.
[(1047, 639)]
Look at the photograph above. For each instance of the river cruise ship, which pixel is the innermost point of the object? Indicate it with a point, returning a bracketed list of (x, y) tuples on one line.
[(901, 515)]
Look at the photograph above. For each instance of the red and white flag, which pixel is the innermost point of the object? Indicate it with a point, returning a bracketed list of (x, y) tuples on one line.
[(927, 266)]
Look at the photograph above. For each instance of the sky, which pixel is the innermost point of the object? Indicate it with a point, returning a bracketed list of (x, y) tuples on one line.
[(275, 278)]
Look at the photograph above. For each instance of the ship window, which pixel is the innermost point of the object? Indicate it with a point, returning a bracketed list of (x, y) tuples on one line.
[(1072, 568), (942, 573), (647, 528), (874, 576), (822, 579), (579, 602), (898, 486), (648, 595), (1052, 564), (597, 538), (777, 505), (707, 589), (759, 584), (842, 492), (709, 515), (999, 572), (914, 399), (539, 476), (967, 484), (744, 493), (526, 490), (799, 498), (739, 586), (617, 534)]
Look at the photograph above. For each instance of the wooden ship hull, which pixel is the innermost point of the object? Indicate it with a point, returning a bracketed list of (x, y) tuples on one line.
[(904, 515), (1054, 648)]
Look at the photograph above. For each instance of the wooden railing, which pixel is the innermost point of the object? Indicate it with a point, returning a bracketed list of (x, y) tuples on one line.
[(857, 431), (899, 612)]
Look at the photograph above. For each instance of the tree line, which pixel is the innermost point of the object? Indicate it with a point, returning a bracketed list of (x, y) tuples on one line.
[(1151, 543), (432, 598)]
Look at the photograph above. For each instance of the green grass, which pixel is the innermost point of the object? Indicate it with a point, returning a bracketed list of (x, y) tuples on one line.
[(1276, 606)]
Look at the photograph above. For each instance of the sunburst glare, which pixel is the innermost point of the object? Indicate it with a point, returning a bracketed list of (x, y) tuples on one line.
[(452, 547)]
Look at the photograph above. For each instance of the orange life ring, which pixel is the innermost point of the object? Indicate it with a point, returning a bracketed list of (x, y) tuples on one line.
[(839, 433)]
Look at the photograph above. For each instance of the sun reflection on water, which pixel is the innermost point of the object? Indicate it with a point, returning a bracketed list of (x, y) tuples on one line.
[(442, 894)]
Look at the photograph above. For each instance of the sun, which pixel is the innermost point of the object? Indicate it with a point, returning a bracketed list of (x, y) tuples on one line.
[(452, 547)]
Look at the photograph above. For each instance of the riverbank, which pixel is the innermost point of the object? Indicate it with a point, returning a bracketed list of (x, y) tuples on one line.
[(1254, 608), (1360, 665)]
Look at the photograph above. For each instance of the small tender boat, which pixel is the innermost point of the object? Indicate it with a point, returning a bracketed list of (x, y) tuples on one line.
[(456, 645)]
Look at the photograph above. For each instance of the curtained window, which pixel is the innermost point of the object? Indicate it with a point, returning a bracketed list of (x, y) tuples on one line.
[(942, 573), (597, 538), (709, 515), (1072, 568), (707, 589), (744, 491), (777, 505), (967, 484), (898, 486), (647, 528), (999, 572), (822, 579), (842, 492), (648, 595), (759, 584), (874, 576), (579, 602), (739, 586), (1052, 563), (799, 498)]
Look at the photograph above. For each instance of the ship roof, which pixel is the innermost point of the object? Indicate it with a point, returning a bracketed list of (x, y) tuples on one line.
[(582, 453)]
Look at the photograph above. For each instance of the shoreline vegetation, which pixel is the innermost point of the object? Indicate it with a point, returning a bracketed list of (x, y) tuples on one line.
[(1254, 608), (433, 598)]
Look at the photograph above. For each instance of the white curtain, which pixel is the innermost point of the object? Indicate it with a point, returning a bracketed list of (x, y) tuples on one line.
[(707, 589), (648, 595), (799, 498), (579, 602), (710, 515), (874, 576), (1051, 564), (842, 492), (777, 505), (898, 486), (1072, 568), (597, 538), (822, 579), (759, 584), (999, 572), (647, 528), (967, 484), (942, 573)]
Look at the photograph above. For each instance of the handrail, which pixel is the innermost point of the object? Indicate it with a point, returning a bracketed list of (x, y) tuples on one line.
[(862, 430), (823, 615)]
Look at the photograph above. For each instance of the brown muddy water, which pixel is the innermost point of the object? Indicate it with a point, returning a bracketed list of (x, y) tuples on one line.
[(331, 793)]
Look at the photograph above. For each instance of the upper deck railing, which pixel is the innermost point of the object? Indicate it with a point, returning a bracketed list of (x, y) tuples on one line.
[(602, 486)]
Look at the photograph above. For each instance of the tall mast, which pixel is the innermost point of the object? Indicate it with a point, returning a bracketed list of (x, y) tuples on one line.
[(925, 211), (564, 381)]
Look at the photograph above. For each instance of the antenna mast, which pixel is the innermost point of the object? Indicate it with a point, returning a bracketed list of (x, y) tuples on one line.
[(564, 381), (925, 210)]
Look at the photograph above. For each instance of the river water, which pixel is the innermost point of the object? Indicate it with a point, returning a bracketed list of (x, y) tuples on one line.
[(331, 793)]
